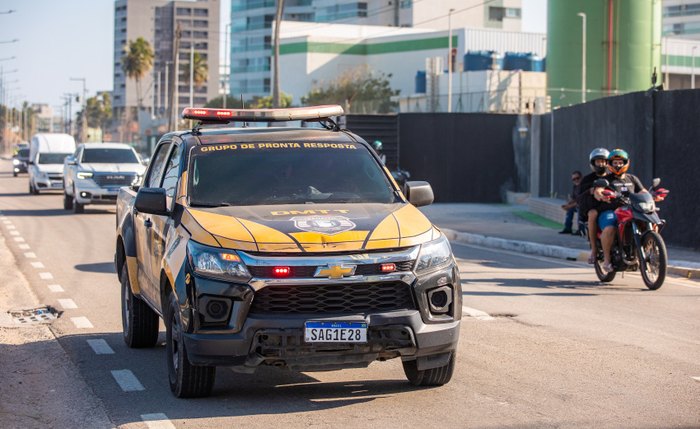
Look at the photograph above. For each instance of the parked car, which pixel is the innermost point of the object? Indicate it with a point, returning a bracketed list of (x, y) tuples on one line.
[(20, 161), (288, 247), (46, 154), (94, 174)]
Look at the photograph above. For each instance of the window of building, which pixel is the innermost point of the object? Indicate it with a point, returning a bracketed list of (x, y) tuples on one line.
[(513, 12), (201, 12), (405, 4), (200, 34), (496, 13), (183, 11)]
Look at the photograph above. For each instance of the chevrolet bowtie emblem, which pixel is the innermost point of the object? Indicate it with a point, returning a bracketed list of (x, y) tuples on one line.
[(335, 271)]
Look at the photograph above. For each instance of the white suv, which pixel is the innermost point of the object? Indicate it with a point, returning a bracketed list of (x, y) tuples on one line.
[(96, 171)]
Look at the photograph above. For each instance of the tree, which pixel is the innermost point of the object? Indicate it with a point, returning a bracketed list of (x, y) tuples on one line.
[(268, 102), (231, 103), (358, 91), (201, 70), (137, 61), (99, 109)]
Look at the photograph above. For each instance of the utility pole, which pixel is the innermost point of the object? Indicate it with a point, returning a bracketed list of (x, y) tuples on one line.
[(227, 73), (276, 41), (172, 117), (191, 74), (449, 61), (83, 131), (583, 56)]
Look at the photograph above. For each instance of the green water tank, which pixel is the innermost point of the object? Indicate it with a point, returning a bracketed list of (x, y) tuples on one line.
[(623, 46)]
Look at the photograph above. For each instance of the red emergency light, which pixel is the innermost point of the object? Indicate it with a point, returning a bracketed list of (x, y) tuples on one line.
[(262, 115), (281, 271), (387, 268)]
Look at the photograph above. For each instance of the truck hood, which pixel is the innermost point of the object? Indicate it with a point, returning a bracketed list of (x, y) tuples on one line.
[(114, 168), (305, 228), (50, 168)]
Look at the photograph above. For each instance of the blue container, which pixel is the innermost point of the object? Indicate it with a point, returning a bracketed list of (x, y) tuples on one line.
[(420, 82), (482, 60), (526, 61)]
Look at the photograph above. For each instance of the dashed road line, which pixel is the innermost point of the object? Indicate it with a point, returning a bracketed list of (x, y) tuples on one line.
[(30, 255), (38, 265), (56, 288), (81, 322), (157, 421), (477, 314), (14, 232), (24, 246), (19, 239), (45, 276), (100, 347), (127, 380), (10, 226), (67, 304)]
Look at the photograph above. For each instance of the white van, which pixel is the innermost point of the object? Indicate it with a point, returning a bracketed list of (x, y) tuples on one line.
[(46, 154)]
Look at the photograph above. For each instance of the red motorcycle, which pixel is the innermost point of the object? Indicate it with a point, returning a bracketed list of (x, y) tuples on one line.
[(638, 243)]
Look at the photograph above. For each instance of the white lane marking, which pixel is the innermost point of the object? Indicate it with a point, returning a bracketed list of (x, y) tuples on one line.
[(7, 222), (30, 255), (127, 380), (10, 226), (24, 246), (38, 265), (100, 347), (477, 314), (157, 421), (19, 239), (81, 322), (14, 232), (696, 379), (56, 288), (67, 303), (46, 276)]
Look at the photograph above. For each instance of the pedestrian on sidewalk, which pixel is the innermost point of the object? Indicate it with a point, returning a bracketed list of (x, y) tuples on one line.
[(571, 206)]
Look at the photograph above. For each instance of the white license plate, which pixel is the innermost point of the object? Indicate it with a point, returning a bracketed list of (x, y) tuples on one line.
[(57, 185), (335, 332)]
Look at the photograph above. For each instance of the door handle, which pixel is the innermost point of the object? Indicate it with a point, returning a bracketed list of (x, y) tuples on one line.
[(147, 223)]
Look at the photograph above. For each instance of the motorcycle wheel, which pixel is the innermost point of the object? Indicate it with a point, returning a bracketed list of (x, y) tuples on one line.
[(602, 275), (654, 261)]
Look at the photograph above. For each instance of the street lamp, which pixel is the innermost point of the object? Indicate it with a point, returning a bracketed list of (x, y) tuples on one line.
[(692, 67), (583, 56), (449, 60)]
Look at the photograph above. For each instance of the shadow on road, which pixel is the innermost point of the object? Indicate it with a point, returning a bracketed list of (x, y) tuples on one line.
[(53, 212), (97, 267)]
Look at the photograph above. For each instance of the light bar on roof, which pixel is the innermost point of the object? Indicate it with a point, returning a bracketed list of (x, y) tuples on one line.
[(262, 115)]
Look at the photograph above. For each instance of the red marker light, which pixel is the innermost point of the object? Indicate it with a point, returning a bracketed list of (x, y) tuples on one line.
[(281, 271), (387, 268)]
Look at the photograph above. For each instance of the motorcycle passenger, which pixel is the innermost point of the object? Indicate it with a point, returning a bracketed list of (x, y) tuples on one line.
[(587, 205), (624, 184)]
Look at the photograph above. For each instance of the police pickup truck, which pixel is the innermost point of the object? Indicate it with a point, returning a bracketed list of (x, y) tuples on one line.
[(289, 247)]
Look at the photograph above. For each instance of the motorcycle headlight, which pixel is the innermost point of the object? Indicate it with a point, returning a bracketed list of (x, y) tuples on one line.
[(223, 264), (433, 255), (84, 175), (647, 206)]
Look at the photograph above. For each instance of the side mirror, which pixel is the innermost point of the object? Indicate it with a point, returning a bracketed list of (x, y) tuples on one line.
[(601, 183), (70, 160), (655, 182), (151, 201), (419, 193)]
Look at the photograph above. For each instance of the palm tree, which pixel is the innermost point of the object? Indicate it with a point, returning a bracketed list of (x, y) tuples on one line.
[(137, 61), (201, 70)]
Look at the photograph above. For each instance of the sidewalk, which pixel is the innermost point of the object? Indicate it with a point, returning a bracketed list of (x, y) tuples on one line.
[(513, 227)]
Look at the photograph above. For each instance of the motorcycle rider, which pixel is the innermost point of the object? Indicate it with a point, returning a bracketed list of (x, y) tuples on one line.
[(587, 205), (378, 147), (624, 184)]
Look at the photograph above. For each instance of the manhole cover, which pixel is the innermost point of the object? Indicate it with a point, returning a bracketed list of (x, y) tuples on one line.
[(32, 316)]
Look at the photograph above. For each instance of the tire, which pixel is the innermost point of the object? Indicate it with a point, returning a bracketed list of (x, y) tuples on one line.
[(14, 174), (32, 189), (77, 207), (186, 380), (139, 321), (653, 266), (429, 377), (67, 202), (602, 276)]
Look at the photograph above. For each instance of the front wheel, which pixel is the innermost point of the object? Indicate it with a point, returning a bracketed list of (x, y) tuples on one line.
[(67, 201), (653, 260), (186, 380), (429, 377), (77, 207)]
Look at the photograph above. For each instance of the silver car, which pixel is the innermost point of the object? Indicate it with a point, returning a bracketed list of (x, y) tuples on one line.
[(96, 171)]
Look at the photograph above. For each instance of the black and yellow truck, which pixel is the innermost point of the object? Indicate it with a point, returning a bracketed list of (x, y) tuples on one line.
[(282, 246)]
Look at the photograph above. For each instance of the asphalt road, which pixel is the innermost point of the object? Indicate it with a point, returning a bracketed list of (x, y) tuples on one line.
[(543, 344)]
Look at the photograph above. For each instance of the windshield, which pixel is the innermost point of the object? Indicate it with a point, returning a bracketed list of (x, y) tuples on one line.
[(23, 153), (286, 173), (109, 156), (52, 158)]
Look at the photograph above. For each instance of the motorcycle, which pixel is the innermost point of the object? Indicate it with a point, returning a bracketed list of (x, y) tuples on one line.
[(401, 177), (638, 244)]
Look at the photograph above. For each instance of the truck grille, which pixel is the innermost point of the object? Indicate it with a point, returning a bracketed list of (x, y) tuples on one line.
[(114, 179), (310, 270), (333, 298), (56, 176)]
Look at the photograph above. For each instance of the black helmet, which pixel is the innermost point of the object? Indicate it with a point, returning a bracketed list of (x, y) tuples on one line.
[(598, 153)]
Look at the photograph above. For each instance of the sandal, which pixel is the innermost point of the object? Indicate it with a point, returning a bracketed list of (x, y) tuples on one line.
[(591, 259), (608, 268)]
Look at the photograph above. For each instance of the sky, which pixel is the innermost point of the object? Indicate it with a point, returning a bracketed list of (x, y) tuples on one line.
[(63, 39)]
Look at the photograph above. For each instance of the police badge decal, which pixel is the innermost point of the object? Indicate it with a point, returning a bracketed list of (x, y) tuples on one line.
[(329, 225)]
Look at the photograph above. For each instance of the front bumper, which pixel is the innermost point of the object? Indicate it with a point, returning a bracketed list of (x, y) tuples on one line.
[(85, 194), (48, 183), (19, 168), (250, 336)]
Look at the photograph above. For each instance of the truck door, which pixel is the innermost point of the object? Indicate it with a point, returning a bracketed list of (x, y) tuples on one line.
[(143, 224)]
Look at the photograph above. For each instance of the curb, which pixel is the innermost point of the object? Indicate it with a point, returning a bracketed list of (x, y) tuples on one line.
[(680, 268)]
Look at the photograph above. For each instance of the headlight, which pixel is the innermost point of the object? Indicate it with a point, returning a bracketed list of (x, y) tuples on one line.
[(433, 255), (16, 162), (41, 175), (84, 174), (222, 264)]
